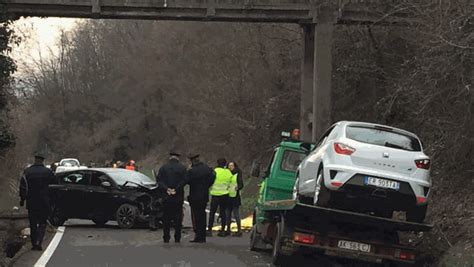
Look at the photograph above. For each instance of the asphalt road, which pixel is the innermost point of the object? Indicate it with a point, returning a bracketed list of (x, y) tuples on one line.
[(84, 244), (87, 245)]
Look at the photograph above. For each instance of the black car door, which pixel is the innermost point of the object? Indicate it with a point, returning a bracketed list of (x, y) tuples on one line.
[(101, 195), (71, 193)]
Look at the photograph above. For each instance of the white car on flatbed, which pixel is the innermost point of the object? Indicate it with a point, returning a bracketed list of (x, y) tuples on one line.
[(366, 167), (69, 164)]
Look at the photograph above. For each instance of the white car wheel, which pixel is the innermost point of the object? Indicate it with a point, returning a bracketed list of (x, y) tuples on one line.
[(322, 195), (317, 188), (296, 194), (295, 190)]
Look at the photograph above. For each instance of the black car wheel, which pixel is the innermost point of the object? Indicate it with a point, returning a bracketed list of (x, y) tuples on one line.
[(417, 214), (99, 219), (126, 216), (57, 218)]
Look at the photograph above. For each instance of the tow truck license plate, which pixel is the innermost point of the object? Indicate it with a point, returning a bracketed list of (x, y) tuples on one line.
[(382, 183), (353, 245)]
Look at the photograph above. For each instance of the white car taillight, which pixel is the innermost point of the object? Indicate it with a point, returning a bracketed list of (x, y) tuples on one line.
[(423, 164), (343, 149)]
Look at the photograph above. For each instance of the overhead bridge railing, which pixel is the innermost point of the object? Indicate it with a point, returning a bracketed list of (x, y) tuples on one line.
[(221, 10), (293, 11)]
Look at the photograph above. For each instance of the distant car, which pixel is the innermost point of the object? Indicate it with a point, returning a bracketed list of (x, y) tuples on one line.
[(102, 195), (69, 165), (367, 167)]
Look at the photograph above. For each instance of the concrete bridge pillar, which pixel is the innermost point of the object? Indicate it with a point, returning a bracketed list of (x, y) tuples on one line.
[(306, 95), (317, 75)]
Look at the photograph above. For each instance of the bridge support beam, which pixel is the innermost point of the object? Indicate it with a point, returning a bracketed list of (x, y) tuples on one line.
[(307, 73), (322, 77), (316, 79)]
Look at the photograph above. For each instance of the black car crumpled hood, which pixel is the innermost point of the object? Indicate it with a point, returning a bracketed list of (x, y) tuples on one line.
[(130, 185)]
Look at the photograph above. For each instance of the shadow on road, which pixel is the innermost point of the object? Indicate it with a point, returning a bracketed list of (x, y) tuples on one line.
[(316, 260)]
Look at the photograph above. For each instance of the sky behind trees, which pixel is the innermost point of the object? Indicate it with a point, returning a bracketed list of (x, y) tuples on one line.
[(39, 38)]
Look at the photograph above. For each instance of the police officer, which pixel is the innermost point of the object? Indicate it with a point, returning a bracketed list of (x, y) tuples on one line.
[(171, 178), (34, 190), (199, 178), (220, 197)]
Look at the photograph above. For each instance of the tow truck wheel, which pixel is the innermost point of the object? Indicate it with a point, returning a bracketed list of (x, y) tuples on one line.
[(277, 258), (322, 195), (255, 240), (126, 216)]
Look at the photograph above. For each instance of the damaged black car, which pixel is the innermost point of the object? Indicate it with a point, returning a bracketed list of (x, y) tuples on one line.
[(104, 194)]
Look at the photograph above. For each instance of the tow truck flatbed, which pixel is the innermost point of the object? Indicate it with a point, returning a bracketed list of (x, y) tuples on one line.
[(319, 215)]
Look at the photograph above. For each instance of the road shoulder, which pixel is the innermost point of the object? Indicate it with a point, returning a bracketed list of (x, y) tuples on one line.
[(27, 257)]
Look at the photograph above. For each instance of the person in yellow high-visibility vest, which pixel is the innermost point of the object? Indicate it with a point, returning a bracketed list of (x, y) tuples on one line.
[(236, 185), (220, 197)]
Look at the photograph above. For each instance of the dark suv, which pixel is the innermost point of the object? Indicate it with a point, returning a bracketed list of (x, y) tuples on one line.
[(104, 194)]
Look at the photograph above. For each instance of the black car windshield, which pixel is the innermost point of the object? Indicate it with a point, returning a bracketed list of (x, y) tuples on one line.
[(383, 137), (121, 177)]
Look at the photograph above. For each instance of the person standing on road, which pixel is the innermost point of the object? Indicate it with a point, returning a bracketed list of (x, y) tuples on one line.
[(91, 164), (34, 190), (220, 197), (131, 165), (236, 185), (172, 178), (199, 178), (54, 166)]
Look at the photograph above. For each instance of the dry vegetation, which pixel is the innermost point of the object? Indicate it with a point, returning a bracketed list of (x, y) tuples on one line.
[(121, 89)]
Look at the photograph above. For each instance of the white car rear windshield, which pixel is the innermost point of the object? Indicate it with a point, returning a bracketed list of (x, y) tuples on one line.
[(383, 137)]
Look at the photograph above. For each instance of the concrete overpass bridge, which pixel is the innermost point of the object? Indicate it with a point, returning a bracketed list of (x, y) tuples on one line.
[(317, 18)]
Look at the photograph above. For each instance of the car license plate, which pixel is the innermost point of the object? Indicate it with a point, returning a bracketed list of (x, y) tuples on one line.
[(382, 183), (353, 246)]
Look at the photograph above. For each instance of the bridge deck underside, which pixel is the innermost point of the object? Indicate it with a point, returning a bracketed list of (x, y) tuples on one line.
[(287, 11)]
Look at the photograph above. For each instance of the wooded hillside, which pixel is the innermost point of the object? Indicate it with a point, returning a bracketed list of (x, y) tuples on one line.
[(135, 89)]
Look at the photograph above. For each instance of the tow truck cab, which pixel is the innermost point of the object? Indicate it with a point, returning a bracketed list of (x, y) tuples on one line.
[(279, 177)]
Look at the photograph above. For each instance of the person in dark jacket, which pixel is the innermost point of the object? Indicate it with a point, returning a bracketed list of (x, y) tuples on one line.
[(199, 178), (172, 178), (34, 190), (53, 167), (235, 201)]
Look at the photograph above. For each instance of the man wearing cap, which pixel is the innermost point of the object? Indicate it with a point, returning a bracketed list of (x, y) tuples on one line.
[(199, 178), (171, 178), (34, 190)]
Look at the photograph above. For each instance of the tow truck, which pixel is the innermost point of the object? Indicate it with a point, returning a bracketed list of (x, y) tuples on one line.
[(288, 226)]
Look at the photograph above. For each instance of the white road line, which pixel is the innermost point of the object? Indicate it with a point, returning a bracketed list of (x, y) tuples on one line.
[(43, 260)]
